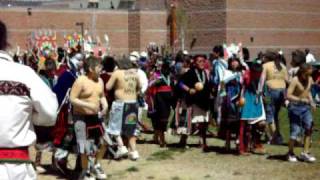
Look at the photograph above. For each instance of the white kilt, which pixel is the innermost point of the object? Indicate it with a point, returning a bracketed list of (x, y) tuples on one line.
[(15, 171)]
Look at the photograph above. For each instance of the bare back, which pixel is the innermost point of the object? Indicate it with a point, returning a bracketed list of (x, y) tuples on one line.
[(125, 83)]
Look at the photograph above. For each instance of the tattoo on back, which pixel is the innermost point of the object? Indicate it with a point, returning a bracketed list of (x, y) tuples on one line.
[(131, 80)]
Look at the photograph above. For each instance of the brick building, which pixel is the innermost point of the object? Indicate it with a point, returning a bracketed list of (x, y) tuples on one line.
[(258, 24)]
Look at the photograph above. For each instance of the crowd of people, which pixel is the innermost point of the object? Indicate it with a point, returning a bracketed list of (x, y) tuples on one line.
[(97, 103)]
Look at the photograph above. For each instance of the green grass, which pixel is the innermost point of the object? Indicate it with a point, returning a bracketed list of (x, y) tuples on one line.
[(175, 178), (207, 176), (161, 155), (177, 163), (285, 126), (132, 169)]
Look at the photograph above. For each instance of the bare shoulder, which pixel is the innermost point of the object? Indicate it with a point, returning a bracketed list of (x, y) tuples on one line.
[(81, 79), (117, 73), (267, 65), (311, 80), (294, 80)]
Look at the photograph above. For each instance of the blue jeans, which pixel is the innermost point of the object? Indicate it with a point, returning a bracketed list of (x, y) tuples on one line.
[(300, 117), (273, 108)]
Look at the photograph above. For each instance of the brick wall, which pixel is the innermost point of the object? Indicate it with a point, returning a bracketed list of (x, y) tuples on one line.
[(206, 23), (134, 30), (122, 27), (259, 24), (285, 24)]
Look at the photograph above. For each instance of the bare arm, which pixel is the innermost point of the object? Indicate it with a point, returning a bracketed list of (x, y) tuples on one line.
[(286, 77), (103, 100), (262, 80), (139, 86), (312, 103), (110, 84)]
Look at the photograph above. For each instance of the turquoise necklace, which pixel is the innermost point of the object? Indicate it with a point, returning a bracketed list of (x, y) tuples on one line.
[(166, 79), (202, 78)]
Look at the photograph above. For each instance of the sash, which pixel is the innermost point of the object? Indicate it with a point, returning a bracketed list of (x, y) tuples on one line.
[(15, 155)]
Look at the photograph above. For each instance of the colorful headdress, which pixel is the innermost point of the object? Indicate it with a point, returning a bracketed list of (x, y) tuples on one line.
[(232, 50)]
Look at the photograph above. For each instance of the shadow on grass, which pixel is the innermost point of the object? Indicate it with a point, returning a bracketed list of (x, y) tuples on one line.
[(147, 131), (222, 150), (70, 174), (279, 157), (218, 149), (144, 141)]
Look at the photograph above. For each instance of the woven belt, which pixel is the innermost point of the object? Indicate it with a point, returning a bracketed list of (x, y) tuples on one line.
[(17, 155)]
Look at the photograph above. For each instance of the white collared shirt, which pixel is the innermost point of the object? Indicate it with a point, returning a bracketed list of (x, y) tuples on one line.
[(143, 80), (24, 100)]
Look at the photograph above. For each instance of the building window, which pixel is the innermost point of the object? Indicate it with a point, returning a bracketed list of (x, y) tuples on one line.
[(93, 4)]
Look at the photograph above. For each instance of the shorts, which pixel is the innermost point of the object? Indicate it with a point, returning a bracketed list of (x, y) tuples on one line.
[(123, 119), (88, 130), (276, 97), (300, 117)]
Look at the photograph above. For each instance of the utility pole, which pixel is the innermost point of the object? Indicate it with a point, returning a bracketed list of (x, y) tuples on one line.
[(81, 24)]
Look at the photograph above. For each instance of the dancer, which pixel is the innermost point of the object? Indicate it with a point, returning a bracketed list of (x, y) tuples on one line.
[(123, 117), (25, 100), (89, 105), (196, 83), (299, 110)]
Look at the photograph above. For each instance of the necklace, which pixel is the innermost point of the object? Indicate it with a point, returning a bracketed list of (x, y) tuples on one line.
[(166, 79), (202, 78)]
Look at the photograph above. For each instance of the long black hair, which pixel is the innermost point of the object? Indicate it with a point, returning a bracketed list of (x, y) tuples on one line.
[(240, 68), (303, 71), (108, 64), (218, 49), (3, 36), (246, 54), (274, 56), (298, 58)]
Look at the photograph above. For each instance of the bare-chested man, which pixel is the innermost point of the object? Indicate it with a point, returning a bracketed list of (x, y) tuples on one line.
[(87, 97), (124, 110)]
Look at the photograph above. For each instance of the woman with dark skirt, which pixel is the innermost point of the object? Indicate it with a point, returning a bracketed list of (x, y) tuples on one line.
[(196, 85), (181, 121), (160, 101), (232, 102)]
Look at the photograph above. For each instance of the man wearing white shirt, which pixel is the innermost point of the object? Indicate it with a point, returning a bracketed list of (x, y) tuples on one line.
[(309, 57), (134, 58), (24, 100)]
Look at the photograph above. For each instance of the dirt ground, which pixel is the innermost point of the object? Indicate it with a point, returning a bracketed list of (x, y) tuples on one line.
[(177, 164)]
